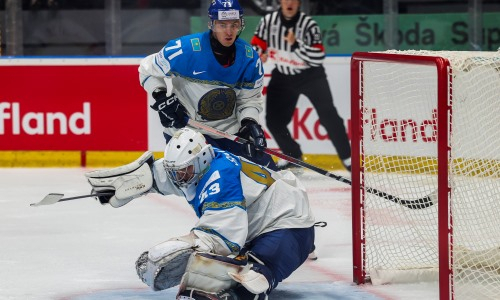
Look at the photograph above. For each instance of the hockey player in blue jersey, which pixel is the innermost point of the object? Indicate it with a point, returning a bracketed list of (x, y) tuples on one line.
[(255, 225), (217, 78)]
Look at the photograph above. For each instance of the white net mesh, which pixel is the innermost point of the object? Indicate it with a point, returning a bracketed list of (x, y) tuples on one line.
[(399, 156)]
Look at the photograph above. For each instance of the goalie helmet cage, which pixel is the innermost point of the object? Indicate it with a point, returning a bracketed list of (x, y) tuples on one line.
[(427, 121)]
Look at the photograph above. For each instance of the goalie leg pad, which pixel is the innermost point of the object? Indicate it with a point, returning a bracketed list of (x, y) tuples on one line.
[(209, 273), (254, 282), (171, 273), (127, 182), (163, 266)]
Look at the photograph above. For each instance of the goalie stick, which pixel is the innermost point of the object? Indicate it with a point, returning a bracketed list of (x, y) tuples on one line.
[(419, 203), (55, 197)]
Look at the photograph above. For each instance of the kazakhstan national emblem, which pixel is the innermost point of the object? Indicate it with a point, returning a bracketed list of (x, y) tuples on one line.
[(217, 104)]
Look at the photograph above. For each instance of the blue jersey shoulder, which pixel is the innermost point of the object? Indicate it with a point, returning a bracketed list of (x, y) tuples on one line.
[(249, 59), (191, 57), (220, 188), (178, 53)]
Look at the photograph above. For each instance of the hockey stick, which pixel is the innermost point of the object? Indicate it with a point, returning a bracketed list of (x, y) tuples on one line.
[(419, 203), (54, 198)]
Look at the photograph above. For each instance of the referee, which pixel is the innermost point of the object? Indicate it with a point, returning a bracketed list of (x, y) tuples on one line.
[(291, 40)]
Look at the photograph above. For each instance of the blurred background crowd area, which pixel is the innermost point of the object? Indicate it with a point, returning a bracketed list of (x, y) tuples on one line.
[(141, 27), (260, 7)]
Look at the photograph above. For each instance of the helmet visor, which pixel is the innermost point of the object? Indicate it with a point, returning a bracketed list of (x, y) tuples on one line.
[(181, 176), (228, 25)]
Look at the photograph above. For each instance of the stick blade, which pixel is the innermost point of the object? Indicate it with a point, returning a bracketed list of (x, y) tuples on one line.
[(433, 197), (49, 199), (422, 203)]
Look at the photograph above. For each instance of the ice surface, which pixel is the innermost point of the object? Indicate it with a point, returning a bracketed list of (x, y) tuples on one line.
[(81, 250)]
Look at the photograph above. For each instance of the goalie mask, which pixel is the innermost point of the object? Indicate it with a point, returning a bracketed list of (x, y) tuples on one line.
[(187, 157), (222, 10)]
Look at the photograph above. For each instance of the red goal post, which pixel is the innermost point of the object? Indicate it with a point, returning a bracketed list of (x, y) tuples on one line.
[(427, 122)]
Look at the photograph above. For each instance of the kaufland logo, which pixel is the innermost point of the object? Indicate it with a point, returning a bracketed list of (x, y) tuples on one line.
[(400, 129), (20, 121)]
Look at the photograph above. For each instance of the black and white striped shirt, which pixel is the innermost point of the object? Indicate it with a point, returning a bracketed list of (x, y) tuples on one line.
[(307, 52)]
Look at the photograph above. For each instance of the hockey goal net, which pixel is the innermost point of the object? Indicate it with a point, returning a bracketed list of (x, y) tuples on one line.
[(427, 124)]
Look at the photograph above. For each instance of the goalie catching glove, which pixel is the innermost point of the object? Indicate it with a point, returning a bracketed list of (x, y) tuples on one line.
[(124, 183)]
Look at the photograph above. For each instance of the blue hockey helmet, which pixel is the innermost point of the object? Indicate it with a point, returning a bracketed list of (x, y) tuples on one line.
[(225, 10), (220, 10)]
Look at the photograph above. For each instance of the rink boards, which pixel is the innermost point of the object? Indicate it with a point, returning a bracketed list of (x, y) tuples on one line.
[(93, 112)]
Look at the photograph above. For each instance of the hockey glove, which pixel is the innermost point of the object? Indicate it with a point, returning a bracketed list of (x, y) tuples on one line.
[(124, 183), (172, 113), (252, 132)]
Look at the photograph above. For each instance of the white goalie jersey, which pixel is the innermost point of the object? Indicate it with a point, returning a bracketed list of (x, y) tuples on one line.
[(237, 200)]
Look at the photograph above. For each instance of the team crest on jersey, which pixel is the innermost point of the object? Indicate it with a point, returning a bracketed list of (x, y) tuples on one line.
[(195, 43), (249, 51), (217, 104)]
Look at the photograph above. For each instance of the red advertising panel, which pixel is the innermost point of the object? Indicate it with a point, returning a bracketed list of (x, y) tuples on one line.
[(72, 107)]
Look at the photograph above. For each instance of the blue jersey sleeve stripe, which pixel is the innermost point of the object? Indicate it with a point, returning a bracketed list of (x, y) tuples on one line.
[(219, 205), (144, 81)]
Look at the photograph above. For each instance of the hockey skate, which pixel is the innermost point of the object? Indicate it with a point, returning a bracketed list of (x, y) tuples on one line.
[(312, 255), (282, 164), (347, 164)]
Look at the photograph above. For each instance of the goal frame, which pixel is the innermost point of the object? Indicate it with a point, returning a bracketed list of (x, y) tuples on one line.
[(444, 114)]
